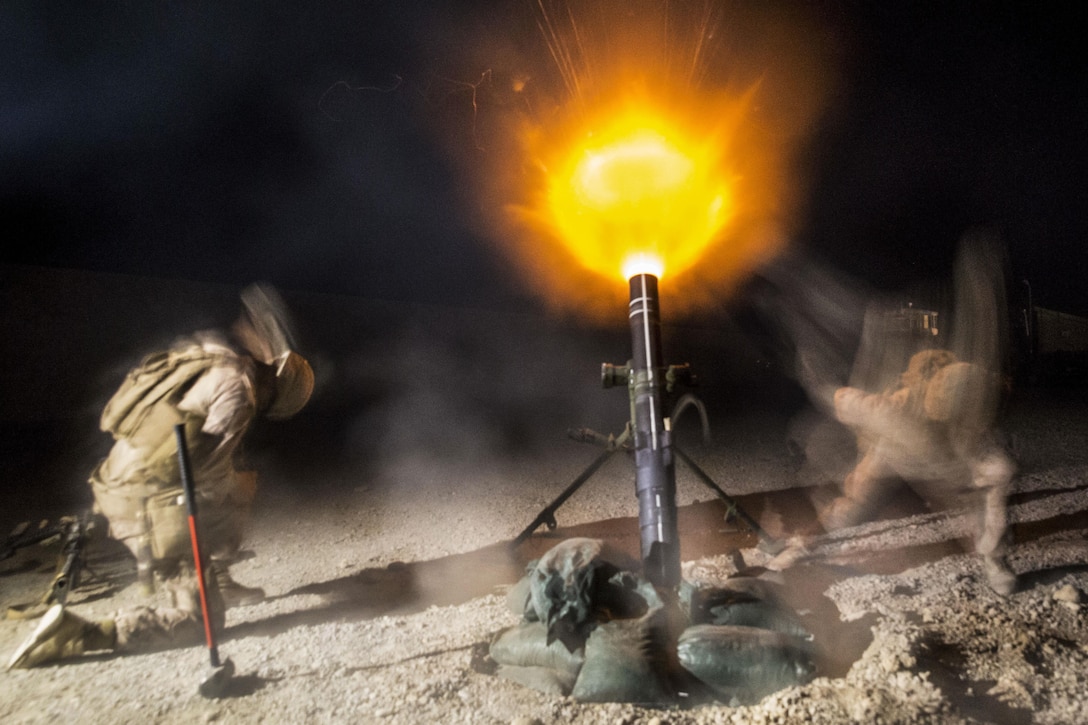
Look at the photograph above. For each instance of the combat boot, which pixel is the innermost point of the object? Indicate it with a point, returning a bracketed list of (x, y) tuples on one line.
[(841, 513), (62, 634), (998, 575), (184, 592), (233, 593)]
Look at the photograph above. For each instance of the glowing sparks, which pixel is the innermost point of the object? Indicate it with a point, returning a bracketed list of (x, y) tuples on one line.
[(658, 138), (638, 198)]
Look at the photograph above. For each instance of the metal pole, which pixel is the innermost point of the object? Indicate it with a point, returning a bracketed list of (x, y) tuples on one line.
[(198, 559), (655, 473)]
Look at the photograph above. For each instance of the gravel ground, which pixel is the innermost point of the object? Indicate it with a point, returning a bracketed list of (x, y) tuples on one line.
[(381, 595)]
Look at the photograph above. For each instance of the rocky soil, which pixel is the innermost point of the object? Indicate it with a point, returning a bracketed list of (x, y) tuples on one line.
[(383, 594)]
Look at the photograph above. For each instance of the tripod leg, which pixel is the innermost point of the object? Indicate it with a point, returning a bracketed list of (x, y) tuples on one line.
[(547, 514), (766, 542)]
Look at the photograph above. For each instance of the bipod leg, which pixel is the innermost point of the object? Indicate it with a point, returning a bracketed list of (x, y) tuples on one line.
[(547, 514), (72, 566), (766, 543), (68, 578)]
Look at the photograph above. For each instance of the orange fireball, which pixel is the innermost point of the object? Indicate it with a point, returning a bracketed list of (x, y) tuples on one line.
[(638, 197), (654, 137)]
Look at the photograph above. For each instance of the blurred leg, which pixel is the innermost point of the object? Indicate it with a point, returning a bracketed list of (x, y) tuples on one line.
[(991, 477), (862, 492)]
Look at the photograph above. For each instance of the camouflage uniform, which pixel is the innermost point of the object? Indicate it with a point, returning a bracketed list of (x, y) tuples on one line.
[(61, 634), (137, 487), (214, 391), (147, 628), (933, 430)]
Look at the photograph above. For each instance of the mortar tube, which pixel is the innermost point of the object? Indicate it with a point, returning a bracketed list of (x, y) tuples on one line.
[(655, 471)]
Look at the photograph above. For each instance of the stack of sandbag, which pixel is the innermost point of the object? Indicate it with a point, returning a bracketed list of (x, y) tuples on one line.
[(591, 628), (743, 642), (596, 630)]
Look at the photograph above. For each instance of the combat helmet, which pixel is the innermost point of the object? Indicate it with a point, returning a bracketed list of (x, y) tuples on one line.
[(294, 386)]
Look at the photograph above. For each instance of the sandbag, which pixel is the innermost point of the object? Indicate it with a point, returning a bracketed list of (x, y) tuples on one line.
[(541, 679), (517, 598), (568, 588), (747, 602), (626, 595), (526, 645), (741, 665), (626, 661)]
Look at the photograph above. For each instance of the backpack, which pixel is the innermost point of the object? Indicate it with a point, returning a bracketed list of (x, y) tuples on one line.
[(159, 376)]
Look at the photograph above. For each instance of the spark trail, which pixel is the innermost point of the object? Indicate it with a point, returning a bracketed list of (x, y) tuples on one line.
[(643, 129)]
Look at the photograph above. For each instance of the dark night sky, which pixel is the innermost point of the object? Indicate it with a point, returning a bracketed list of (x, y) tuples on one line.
[(294, 143)]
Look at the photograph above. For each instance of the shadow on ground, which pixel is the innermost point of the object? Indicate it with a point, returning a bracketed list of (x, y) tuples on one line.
[(707, 529)]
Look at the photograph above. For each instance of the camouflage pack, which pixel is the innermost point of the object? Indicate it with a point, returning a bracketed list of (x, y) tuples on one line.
[(160, 376)]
